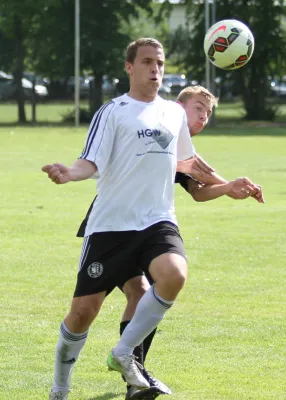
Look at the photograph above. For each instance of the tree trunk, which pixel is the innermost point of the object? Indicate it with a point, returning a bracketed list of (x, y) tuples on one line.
[(19, 69), (96, 95), (254, 88)]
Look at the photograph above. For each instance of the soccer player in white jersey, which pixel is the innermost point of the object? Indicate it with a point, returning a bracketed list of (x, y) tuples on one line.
[(133, 145), (198, 104)]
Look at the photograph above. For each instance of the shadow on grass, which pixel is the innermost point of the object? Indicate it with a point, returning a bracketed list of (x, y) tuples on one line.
[(41, 124), (106, 396), (242, 128)]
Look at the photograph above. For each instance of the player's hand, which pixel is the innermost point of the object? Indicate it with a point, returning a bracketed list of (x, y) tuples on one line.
[(196, 167), (58, 173), (242, 188), (258, 196)]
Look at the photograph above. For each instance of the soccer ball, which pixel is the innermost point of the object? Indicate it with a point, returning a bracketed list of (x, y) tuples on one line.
[(229, 44)]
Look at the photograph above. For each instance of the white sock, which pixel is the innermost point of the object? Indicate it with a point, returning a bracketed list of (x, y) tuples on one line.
[(150, 310), (67, 351)]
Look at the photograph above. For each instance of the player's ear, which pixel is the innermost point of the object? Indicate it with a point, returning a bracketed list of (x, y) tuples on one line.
[(128, 68)]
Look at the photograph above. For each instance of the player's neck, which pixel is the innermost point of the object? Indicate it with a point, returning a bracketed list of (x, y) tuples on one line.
[(136, 94)]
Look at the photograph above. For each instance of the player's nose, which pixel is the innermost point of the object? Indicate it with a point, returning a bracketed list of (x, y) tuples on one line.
[(154, 68), (203, 117)]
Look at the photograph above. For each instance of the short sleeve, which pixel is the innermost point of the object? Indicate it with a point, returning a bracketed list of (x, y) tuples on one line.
[(100, 137), (185, 147)]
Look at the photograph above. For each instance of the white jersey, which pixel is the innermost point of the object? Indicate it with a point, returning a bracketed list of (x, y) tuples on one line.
[(135, 146)]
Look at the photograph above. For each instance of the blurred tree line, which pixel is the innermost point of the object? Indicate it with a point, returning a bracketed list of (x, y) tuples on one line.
[(39, 36)]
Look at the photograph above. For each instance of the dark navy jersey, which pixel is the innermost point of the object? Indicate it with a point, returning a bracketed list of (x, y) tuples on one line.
[(180, 178)]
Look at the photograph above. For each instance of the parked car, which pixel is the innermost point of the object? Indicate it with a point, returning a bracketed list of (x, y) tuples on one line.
[(165, 91), (8, 88), (86, 85), (278, 87), (31, 76), (175, 82)]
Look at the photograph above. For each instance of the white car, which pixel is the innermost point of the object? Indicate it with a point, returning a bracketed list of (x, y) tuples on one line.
[(8, 88)]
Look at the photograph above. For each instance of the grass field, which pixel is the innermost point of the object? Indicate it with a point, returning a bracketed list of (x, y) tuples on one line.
[(225, 337)]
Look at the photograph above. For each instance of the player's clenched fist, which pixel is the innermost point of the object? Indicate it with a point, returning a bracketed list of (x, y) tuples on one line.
[(58, 173)]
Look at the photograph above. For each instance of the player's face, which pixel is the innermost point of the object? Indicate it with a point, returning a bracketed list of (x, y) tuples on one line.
[(198, 109), (147, 71)]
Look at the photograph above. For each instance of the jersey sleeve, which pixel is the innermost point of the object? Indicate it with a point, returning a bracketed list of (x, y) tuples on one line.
[(100, 138), (183, 180), (185, 147)]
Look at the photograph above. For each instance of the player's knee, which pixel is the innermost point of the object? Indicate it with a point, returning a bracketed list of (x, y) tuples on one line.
[(177, 278), (170, 270)]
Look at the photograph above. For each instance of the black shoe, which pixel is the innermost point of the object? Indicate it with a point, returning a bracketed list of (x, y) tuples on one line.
[(146, 394), (155, 383), (156, 389)]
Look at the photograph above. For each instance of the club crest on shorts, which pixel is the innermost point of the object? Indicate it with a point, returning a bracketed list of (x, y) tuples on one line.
[(95, 269)]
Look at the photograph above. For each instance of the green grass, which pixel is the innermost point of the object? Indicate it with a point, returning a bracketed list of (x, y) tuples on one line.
[(225, 337)]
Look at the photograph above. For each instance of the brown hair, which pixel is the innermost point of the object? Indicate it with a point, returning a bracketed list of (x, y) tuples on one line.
[(191, 91), (133, 47)]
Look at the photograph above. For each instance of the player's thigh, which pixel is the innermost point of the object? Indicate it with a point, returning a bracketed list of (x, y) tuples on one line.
[(84, 310), (101, 264), (163, 255), (135, 287)]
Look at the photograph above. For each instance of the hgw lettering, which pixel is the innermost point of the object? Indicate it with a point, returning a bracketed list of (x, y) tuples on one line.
[(148, 133)]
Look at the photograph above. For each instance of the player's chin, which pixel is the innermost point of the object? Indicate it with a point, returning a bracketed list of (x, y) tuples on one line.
[(196, 130), (154, 88)]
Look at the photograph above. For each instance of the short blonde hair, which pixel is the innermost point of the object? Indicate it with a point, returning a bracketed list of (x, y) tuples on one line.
[(132, 48), (191, 91)]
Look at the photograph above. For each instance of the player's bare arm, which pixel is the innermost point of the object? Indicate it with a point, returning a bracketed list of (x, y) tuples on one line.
[(199, 170), (238, 189), (80, 170)]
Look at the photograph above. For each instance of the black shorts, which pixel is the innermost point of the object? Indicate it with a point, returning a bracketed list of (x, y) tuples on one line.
[(109, 259)]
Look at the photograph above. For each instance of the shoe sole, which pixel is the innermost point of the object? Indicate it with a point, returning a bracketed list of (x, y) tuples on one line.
[(147, 394)]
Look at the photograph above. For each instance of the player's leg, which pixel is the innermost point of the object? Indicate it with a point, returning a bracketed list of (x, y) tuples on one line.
[(165, 254), (72, 338), (169, 272), (95, 279), (134, 289), (148, 340), (134, 284)]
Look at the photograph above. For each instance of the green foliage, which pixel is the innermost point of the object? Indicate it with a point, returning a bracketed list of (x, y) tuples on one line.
[(44, 32), (85, 116), (18, 20), (152, 22), (29, 14)]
